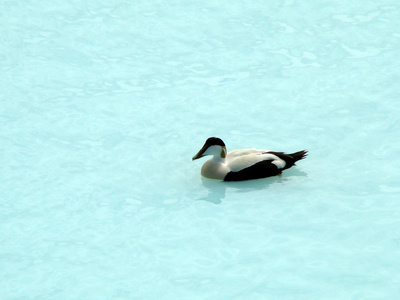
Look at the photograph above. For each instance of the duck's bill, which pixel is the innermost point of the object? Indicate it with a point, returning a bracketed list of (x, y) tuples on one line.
[(200, 154)]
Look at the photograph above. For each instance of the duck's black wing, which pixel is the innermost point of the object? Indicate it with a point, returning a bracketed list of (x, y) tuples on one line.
[(262, 169)]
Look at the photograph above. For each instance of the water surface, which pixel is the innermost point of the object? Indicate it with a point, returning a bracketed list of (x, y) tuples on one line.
[(104, 104)]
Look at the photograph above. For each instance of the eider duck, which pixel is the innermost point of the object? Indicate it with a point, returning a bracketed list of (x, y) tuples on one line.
[(243, 164)]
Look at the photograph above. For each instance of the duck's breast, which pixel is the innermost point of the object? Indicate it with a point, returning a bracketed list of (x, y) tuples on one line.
[(214, 170)]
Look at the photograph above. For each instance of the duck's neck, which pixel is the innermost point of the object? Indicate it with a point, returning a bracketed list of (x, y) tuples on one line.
[(218, 159), (218, 153)]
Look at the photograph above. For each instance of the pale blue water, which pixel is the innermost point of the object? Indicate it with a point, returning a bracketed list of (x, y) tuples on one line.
[(103, 104)]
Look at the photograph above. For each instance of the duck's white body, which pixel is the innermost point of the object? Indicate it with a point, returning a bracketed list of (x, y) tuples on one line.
[(237, 160), (243, 164)]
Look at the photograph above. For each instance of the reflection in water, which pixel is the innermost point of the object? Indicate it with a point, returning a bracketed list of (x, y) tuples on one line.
[(216, 188)]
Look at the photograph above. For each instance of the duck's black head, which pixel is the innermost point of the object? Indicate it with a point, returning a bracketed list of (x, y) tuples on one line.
[(214, 141), (213, 146)]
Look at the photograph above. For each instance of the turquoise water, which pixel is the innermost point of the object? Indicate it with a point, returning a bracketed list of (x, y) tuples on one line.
[(103, 104)]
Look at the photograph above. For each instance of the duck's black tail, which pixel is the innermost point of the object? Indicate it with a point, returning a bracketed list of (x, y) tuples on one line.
[(299, 155), (290, 159)]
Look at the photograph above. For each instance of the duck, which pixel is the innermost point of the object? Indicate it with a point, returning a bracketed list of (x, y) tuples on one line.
[(243, 164)]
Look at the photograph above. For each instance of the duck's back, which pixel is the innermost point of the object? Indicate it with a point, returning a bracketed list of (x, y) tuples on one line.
[(241, 152)]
